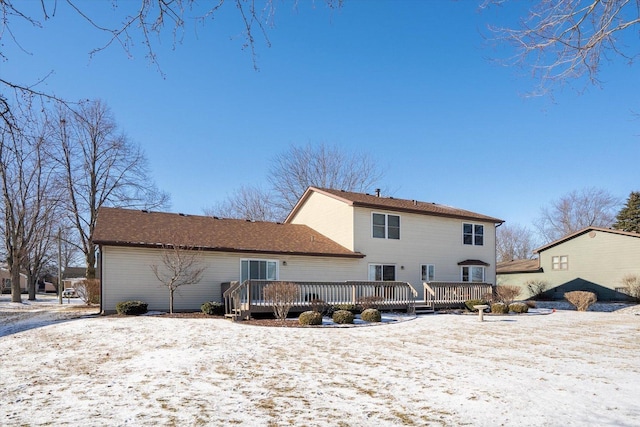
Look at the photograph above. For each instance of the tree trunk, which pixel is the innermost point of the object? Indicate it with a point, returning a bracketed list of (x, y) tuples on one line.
[(14, 268), (32, 285), (171, 290), (91, 262)]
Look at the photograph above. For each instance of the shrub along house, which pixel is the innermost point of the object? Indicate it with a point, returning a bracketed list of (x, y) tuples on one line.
[(592, 259), (331, 236)]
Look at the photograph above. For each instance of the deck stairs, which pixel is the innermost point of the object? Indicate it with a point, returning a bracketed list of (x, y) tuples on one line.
[(422, 307)]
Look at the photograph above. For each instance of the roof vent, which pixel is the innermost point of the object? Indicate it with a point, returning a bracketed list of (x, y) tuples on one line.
[(145, 211), (181, 214), (377, 192), (415, 203)]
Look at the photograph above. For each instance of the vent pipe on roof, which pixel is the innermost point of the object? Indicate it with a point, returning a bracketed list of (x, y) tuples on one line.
[(377, 192)]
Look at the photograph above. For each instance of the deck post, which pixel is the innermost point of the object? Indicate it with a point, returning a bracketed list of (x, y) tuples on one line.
[(353, 293)]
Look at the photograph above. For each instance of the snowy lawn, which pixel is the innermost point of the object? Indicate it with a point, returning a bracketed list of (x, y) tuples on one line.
[(565, 368)]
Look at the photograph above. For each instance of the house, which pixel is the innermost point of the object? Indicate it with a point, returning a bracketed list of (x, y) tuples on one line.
[(5, 281), (592, 259), (329, 236), (72, 277)]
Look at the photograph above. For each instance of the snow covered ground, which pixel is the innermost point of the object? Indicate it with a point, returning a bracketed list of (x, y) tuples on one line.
[(561, 369)]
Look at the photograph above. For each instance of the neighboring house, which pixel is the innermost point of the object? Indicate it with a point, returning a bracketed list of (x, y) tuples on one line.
[(72, 277), (5, 281), (330, 235), (593, 259)]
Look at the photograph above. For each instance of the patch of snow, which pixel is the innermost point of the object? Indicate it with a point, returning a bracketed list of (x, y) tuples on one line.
[(566, 368)]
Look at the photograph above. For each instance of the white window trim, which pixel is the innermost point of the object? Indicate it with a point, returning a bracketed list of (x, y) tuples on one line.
[(473, 234), (277, 263), (484, 273), (560, 263), (395, 276), (434, 271), (386, 225)]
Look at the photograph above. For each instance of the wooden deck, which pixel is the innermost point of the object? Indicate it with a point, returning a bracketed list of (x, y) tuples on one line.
[(242, 300), (247, 298), (452, 294)]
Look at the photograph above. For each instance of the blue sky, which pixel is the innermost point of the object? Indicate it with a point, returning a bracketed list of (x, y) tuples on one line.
[(412, 83)]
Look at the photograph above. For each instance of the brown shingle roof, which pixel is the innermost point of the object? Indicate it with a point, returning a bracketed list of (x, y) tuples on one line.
[(123, 227), (518, 266), (391, 203)]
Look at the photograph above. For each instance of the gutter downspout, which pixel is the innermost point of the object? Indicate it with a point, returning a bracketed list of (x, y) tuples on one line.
[(495, 252), (101, 276)]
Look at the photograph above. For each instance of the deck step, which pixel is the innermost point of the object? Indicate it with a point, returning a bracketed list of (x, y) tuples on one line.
[(424, 309)]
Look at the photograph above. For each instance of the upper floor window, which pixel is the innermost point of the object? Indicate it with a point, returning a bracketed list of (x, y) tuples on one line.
[(258, 269), (428, 272), (386, 226), (560, 262), (473, 234)]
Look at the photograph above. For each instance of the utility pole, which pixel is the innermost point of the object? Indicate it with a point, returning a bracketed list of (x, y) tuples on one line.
[(59, 265)]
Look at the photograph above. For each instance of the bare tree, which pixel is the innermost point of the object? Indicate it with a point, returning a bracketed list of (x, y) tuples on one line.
[(180, 266), (323, 166), (102, 167), (514, 242), (562, 40), (291, 173), (28, 191), (41, 253), (142, 23), (506, 294), (282, 296), (590, 207), (248, 202)]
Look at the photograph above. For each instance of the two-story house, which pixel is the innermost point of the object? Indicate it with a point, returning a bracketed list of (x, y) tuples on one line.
[(329, 236), (592, 259)]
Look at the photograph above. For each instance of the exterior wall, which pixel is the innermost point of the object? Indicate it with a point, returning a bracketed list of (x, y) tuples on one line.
[(329, 217), (127, 275), (5, 280), (423, 240), (520, 280), (597, 261)]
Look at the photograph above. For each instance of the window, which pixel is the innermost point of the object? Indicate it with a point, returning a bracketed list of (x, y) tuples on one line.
[(385, 226), (428, 272), (258, 269), (560, 262), (473, 234), (472, 273), (382, 272)]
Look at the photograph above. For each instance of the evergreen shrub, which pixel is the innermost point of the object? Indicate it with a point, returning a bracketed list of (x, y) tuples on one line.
[(342, 317), (213, 308), (310, 318), (471, 302), (499, 308), (518, 307), (131, 308), (371, 315)]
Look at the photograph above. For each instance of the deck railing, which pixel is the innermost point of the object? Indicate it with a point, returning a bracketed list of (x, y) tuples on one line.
[(448, 294), (243, 299)]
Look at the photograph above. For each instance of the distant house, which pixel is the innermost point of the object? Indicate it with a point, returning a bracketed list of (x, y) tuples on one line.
[(5, 281), (73, 276), (593, 259), (330, 235)]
